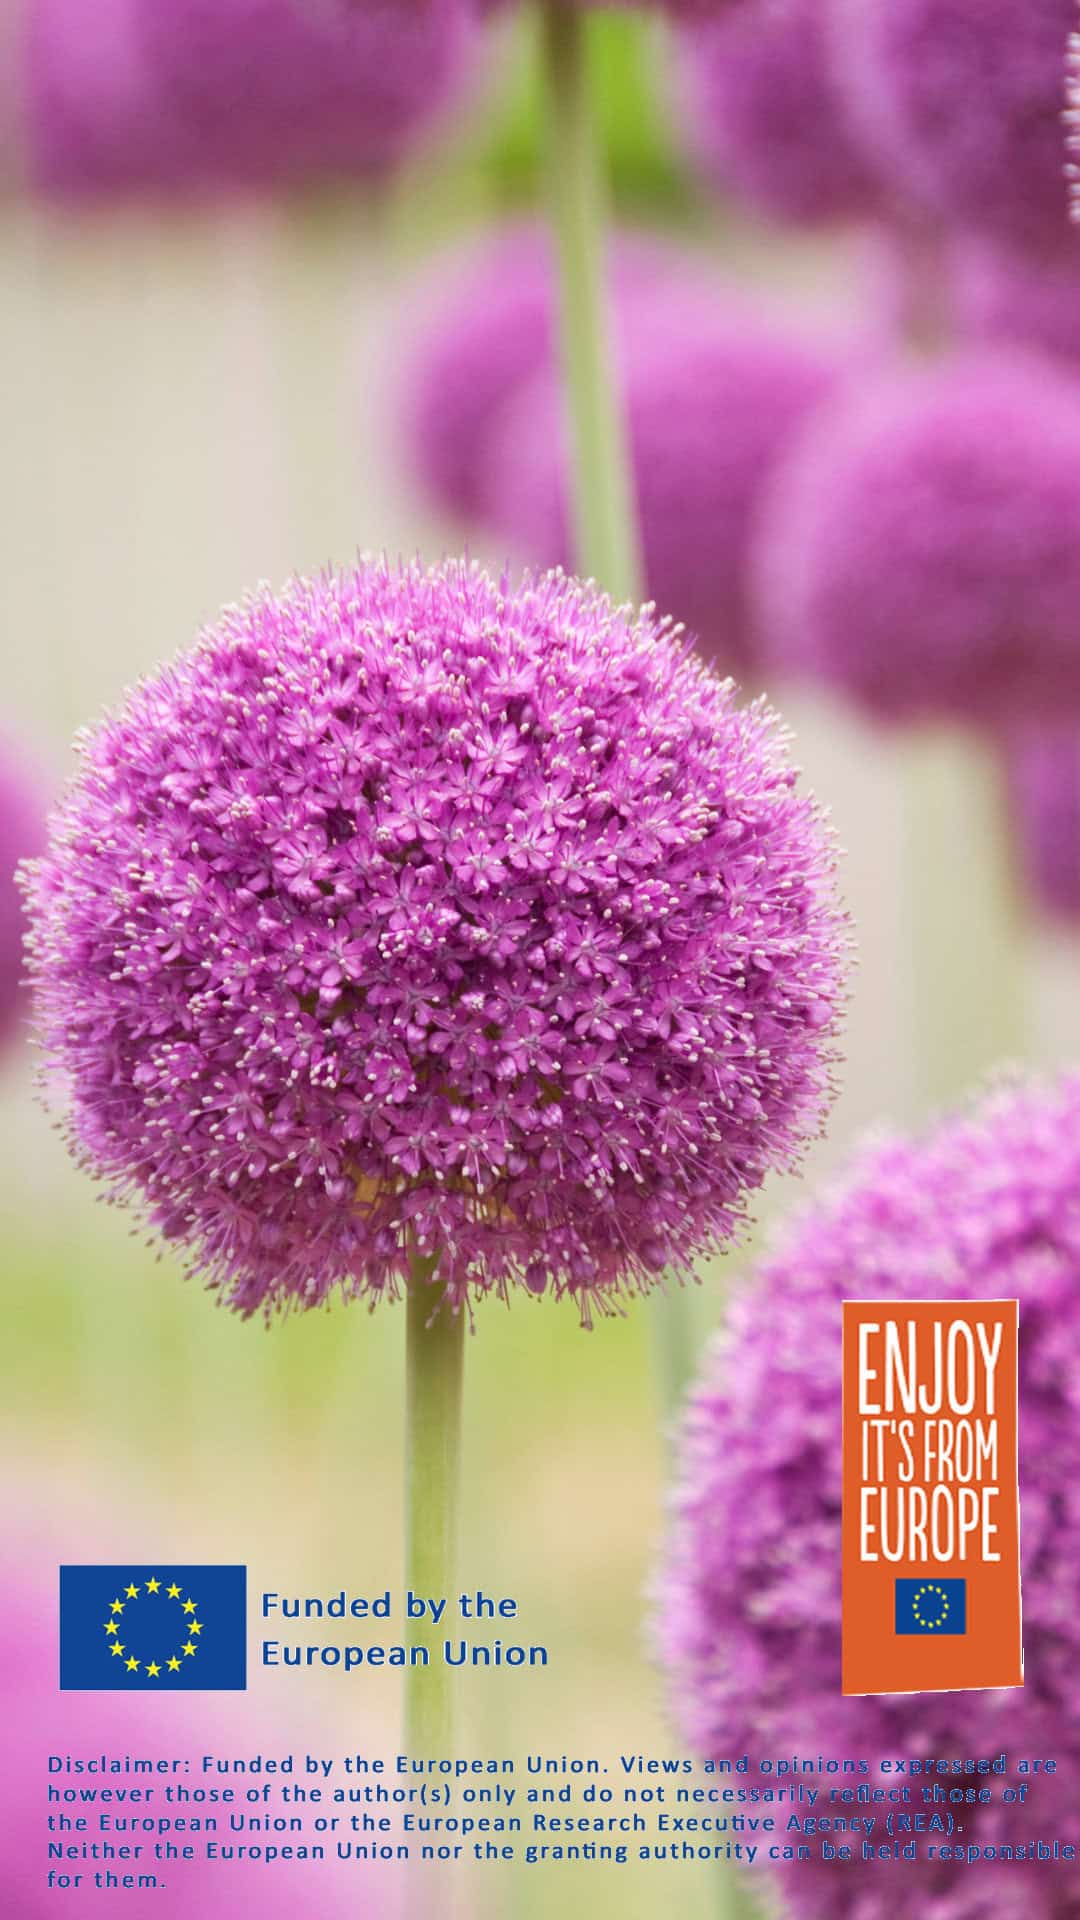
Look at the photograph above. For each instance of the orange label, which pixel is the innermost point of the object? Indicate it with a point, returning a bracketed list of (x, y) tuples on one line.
[(931, 1521)]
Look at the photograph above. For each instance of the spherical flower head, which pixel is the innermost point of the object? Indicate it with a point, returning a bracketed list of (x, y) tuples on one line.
[(1026, 300), (963, 102), (918, 551), (764, 118), (714, 396), (22, 822), (1043, 786), (278, 94), (749, 1595), (414, 914)]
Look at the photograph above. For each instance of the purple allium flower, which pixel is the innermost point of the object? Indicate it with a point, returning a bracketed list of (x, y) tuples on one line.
[(21, 834), (1043, 766), (962, 100), (713, 399), (414, 912), (764, 116), (256, 93), (985, 1207), (920, 548), (1018, 298)]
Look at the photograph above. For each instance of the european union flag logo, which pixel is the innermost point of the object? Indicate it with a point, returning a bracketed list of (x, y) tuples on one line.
[(931, 1606), (156, 1628)]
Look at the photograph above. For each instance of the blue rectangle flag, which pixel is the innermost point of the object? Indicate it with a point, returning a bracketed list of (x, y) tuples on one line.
[(931, 1606), (154, 1628)]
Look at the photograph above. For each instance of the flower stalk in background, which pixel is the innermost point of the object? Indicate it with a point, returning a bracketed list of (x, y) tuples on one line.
[(605, 515), (607, 543), (419, 932)]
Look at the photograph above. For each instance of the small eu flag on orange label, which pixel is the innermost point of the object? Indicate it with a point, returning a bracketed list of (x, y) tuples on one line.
[(931, 1524), (156, 1628), (931, 1606)]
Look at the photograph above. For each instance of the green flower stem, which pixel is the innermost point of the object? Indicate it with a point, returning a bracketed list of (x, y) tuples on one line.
[(605, 513), (434, 1368), (605, 517)]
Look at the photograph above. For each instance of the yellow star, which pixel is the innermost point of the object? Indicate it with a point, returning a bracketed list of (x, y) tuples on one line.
[(152, 1668), (132, 1592), (111, 1626), (116, 1647), (132, 1666), (116, 1606), (152, 1585), (189, 1606), (194, 1626), (173, 1593), (173, 1665), (188, 1648)]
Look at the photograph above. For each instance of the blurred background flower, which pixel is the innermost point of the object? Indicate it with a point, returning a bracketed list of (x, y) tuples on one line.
[(714, 393), (961, 102), (1044, 796), (179, 95), (982, 1207), (919, 552), (764, 117), (1004, 297), (717, 384)]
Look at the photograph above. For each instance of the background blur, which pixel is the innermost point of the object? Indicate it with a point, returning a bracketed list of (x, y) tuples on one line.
[(198, 398)]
